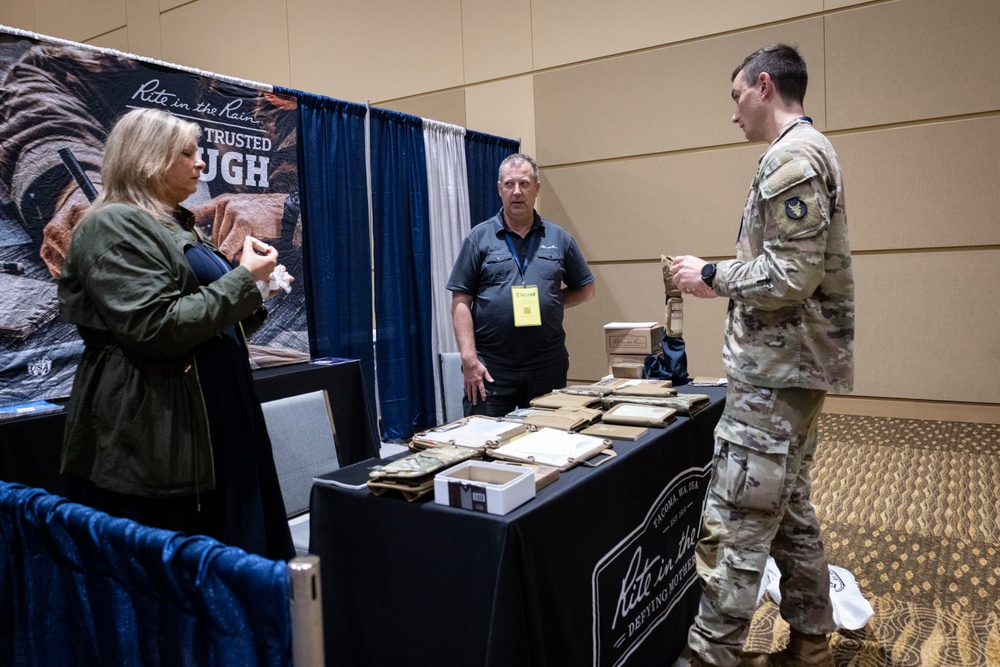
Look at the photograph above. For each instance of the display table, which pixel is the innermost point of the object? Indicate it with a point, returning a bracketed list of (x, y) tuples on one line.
[(597, 569), (31, 446)]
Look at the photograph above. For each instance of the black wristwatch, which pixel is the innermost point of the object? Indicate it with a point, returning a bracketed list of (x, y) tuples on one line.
[(708, 274)]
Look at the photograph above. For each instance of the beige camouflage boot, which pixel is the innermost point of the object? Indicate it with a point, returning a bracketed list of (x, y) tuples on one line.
[(803, 651), (746, 660)]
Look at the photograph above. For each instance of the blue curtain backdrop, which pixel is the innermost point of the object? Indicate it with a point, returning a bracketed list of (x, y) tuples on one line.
[(402, 273), (483, 155), (80, 587), (337, 247), (333, 191)]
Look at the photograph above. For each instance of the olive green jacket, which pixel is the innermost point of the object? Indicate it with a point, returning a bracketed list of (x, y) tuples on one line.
[(136, 416)]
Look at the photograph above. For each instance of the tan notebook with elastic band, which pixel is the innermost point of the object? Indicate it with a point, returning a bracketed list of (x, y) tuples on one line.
[(616, 431), (634, 414)]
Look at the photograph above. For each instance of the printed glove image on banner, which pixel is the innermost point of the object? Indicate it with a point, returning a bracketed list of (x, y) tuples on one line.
[(57, 104)]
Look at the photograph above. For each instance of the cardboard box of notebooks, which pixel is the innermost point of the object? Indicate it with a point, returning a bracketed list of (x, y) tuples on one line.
[(628, 343)]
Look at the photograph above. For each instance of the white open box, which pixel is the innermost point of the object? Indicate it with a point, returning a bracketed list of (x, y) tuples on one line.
[(496, 488)]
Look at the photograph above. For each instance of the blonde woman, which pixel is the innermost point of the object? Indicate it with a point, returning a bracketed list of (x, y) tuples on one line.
[(164, 426)]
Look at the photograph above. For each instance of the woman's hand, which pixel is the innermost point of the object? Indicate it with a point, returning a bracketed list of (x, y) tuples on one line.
[(259, 266)]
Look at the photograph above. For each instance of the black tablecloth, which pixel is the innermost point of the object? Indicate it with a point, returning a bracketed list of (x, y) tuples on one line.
[(597, 569), (31, 447), (30, 450)]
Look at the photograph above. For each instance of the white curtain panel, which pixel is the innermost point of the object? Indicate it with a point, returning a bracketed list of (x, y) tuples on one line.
[(448, 195)]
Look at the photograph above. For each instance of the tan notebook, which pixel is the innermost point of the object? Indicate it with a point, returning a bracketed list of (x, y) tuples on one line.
[(635, 414), (557, 399), (550, 447), (616, 431), (655, 388), (474, 432), (544, 475), (565, 418)]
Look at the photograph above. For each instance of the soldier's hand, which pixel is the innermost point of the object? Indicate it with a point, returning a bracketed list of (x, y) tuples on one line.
[(704, 292), (686, 274)]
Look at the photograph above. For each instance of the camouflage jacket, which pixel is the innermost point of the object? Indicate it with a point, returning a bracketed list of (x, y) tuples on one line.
[(791, 315)]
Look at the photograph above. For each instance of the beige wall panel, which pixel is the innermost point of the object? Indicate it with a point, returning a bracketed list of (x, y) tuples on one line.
[(377, 50), (910, 60), (634, 292), (241, 38), (635, 209), (78, 20), (496, 38), (877, 407), (18, 14), (447, 107), (505, 108), (914, 339), (566, 31), (116, 39), (923, 186), (925, 327), (668, 99), (144, 28), (166, 5), (839, 4)]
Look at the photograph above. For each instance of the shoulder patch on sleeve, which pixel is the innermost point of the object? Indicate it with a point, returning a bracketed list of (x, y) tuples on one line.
[(798, 212), (791, 173)]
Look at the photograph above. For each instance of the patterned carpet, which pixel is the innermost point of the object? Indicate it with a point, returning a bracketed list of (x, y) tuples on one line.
[(910, 507)]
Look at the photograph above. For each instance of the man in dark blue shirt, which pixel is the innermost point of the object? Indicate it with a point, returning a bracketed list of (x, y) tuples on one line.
[(508, 298)]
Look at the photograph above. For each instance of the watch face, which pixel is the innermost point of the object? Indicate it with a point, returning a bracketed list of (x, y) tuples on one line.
[(708, 273)]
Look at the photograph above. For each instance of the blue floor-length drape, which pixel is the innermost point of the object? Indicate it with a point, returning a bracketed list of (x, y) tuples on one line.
[(80, 587), (336, 243), (483, 155), (401, 234), (339, 245)]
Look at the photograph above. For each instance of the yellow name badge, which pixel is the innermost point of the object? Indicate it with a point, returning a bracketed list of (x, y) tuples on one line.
[(527, 312)]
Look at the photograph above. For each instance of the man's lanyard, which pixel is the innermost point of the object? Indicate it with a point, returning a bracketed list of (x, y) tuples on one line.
[(800, 119), (533, 243)]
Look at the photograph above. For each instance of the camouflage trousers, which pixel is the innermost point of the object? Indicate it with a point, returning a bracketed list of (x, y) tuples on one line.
[(758, 505)]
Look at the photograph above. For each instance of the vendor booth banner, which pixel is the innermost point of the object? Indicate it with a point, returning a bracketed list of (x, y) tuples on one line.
[(58, 102), (650, 578)]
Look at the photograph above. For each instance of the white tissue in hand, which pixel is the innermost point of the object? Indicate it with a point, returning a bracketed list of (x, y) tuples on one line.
[(279, 279)]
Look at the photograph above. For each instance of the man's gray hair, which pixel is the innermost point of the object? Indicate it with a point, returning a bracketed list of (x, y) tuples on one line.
[(515, 160)]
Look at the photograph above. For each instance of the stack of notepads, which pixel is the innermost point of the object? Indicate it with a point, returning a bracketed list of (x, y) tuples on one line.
[(559, 430), (626, 406)]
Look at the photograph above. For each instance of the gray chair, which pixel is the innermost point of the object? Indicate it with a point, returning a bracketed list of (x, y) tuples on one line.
[(303, 438), (452, 386)]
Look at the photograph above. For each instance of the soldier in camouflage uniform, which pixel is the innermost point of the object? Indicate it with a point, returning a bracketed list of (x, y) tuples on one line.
[(789, 340)]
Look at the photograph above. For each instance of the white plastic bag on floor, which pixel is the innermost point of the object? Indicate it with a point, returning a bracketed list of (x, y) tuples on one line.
[(771, 574), (851, 610)]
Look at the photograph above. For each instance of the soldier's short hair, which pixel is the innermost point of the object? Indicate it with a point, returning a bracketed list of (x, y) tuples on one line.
[(785, 66)]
